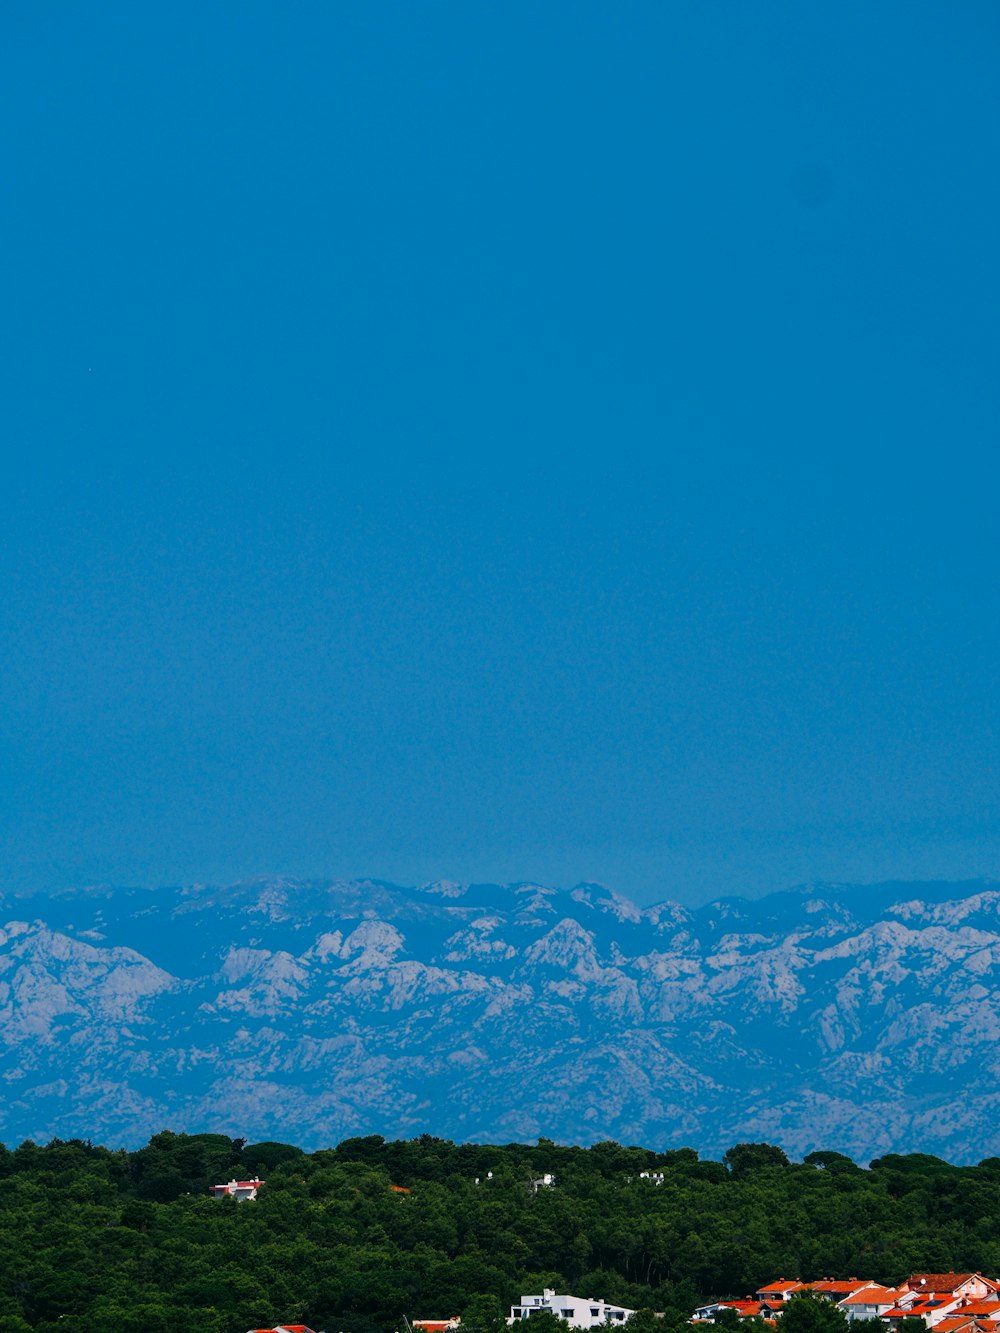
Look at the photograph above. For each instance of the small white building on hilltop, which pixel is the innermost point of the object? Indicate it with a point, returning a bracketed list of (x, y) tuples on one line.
[(241, 1190), (577, 1311)]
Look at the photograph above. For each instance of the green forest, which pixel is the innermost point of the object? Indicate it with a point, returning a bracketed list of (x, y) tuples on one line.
[(105, 1241)]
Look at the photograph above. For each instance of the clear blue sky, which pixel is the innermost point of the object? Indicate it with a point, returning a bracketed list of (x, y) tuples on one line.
[(500, 441)]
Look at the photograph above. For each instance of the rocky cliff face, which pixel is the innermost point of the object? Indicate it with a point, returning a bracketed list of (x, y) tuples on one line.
[(862, 1020)]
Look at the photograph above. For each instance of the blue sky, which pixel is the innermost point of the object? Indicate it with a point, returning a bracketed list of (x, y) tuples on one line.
[(500, 441)]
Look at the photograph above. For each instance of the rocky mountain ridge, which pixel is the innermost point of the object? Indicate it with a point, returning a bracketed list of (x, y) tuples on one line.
[(859, 1019)]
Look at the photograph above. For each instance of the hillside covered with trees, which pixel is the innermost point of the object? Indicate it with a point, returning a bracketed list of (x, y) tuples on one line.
[(131, 1242)]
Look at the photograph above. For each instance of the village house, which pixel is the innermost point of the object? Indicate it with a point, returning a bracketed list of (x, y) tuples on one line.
[(437, 1325), (838, 1289), (872, 1302), (577, 1311), (931, 1309), (777, 1292), (243, 1191), (946, 1302), (972, 1285), (937, 1297), (988, 1309), (282, 1328), (965, 1324), (745, 1309)]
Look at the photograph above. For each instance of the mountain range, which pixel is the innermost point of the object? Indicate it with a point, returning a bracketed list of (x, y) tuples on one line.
[(859, 1019)]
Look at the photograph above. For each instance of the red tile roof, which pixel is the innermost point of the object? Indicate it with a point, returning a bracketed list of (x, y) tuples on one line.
[(938, 1281), (873, 1295), (937, 1303), (284, 1328)]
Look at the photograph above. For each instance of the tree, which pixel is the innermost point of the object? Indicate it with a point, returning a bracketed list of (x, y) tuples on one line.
[(544, 1321), (871, 1325), (911, 1324), (483, 1314), (744, 1158), (728, 1318), (808, 1313), (830, 1161), (645, 1320), (268, 1156)]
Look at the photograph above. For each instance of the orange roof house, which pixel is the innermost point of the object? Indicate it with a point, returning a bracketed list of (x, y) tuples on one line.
[(955, 1284), (932, 1308), (871, 1302), (778, 1291), (837, 1289), (871, 1293), (747, 1309), (241, 1190), (283, 1328)]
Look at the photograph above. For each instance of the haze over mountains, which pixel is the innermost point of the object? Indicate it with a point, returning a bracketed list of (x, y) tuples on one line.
[(858, 1019)]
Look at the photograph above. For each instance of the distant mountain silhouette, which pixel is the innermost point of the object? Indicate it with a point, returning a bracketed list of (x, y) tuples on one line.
[(864, 1020)]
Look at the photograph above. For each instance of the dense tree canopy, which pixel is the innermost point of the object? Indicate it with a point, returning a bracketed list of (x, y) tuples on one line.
[(117, 1242), (807, 1313)]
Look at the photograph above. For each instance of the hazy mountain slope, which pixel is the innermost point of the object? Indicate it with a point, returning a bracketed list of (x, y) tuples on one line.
[(859, 1019)]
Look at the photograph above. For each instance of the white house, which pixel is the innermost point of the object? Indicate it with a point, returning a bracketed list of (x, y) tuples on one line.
[(577, 1311), (971, 1285), (283, 1328), (241, 1190), (543, 1182), (705, 1314), (870, 1303), (932, 1309), (838, 1289), (776, 1293), (937, 1298)]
